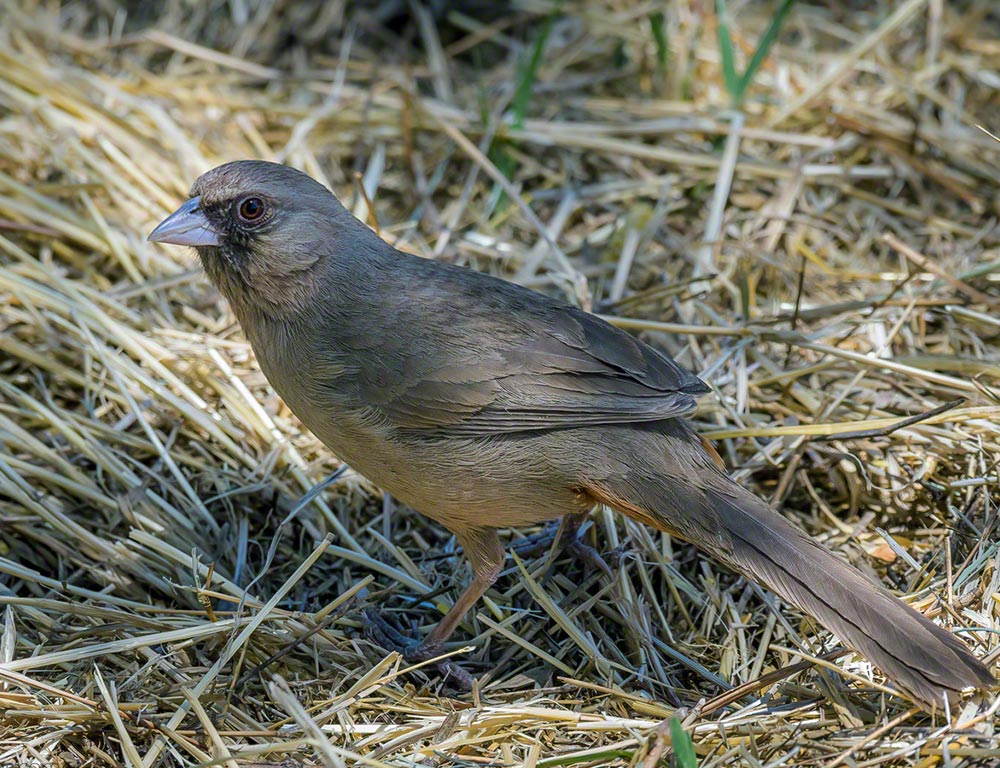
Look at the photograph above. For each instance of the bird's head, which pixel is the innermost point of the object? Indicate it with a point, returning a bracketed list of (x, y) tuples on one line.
[(261, 229)]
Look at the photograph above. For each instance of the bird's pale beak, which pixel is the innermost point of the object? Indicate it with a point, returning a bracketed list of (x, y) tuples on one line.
[(188, 225)]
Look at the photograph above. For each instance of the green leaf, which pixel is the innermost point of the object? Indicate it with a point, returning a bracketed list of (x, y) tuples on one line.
[(659, 29), (767, 40), (729, 75), (683, 745), (526, 74), (738, 85), (529, 70)]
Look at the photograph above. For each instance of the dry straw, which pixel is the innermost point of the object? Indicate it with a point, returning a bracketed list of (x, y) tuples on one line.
[(826, 257)]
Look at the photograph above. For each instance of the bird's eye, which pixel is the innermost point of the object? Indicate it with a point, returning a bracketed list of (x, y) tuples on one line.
[(252, 209)]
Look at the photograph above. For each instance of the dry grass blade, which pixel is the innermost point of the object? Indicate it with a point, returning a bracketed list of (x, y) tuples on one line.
[(172, 593)]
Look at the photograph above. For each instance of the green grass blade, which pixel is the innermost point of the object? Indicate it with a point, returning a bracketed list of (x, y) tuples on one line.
[(729, 75), (527, 73), (683, 745), (767, 40), (658, 27)]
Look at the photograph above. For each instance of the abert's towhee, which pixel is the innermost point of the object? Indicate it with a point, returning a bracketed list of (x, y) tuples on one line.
[(485, 405)]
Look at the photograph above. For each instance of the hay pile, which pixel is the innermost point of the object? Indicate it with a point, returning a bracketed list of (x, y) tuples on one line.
[(156, 608)]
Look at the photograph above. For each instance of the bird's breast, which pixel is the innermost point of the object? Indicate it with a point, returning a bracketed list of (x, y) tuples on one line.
[(461, 482)]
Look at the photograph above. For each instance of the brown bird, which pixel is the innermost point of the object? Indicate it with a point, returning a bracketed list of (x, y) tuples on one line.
[(485, 405)]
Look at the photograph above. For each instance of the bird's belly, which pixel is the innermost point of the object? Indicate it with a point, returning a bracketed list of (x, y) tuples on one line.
[(460, 482)]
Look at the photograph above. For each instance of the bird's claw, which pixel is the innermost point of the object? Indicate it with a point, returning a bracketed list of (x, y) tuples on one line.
[(570, 541), (381, 631), (587, 555), (536, 544)]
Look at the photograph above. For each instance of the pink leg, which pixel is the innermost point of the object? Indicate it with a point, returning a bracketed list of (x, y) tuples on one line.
[(482, 547)]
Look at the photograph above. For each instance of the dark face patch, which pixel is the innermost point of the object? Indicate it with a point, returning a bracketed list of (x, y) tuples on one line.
[(242, 220), (274, 225)]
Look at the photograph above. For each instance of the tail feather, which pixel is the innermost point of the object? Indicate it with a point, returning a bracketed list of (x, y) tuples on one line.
[(742, 531), (923, 659)]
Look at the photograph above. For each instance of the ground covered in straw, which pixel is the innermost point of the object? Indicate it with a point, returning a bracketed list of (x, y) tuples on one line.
[(826, 256)]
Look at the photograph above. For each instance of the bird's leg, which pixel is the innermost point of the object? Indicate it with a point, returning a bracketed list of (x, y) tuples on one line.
[(486, 555), (566, 532)]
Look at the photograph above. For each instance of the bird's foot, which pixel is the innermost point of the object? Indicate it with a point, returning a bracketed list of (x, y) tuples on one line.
[(587, 555), (384, 633), (570, 541), (537, 544)]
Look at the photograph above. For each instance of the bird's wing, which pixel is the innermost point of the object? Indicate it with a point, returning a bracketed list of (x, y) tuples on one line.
[(563, 368)]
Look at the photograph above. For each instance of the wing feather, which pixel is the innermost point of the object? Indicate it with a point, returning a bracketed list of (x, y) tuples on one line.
[(571, 369)]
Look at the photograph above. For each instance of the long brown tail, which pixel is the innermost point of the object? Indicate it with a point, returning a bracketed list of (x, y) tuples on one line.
[(741, 530)]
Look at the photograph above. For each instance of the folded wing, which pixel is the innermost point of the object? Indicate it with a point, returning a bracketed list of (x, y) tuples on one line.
[(571, 369)]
